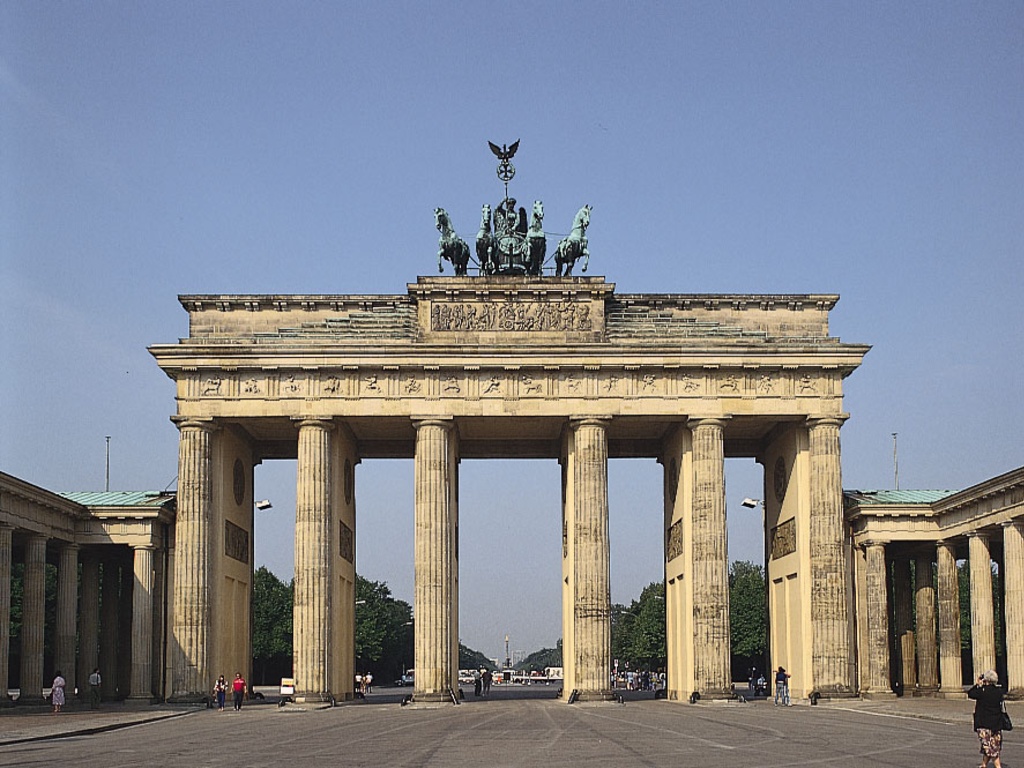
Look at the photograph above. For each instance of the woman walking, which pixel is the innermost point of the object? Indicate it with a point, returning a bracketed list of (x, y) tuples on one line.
[(57, 692), (988, 716)]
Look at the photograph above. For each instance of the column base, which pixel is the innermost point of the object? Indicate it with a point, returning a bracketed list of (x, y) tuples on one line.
[(927, 691), (591, 697), (193, 699), (307, 699), (954, 694), (878, 695)]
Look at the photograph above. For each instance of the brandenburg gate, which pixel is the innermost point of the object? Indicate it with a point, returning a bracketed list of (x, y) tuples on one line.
[(508, 366)]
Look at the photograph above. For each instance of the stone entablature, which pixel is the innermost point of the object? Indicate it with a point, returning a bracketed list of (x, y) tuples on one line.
[(477, 346), (993, 503)]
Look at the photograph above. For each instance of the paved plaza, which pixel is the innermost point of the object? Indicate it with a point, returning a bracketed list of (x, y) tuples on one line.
[(508, 730)]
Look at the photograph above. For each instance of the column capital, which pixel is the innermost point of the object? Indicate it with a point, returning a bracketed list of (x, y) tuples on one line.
[(1015, 523), (874, 542), (137, 547), (835, 420), (980, 534), (589, 421), (707, 421), (445, 422), (313, 421), (191, 422)]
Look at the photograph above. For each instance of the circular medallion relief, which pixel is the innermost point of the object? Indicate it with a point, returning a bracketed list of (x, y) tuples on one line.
[(239, 482), (780, 479)]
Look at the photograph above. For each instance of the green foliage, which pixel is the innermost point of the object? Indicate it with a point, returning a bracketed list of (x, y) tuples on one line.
[(272, 602), (470, 659), (638, 632), (748, 614), (383, 630), (545, 657)]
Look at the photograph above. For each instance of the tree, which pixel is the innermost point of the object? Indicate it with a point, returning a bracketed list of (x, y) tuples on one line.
[(545, 657), (383, 630), (470, 659), (272, 602), (748, 616), (638, 632)]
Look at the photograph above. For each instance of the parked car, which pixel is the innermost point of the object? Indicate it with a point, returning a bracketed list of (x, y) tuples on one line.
[(407, 679)]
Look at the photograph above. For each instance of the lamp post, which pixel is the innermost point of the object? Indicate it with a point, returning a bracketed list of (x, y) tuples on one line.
[(750, 503)]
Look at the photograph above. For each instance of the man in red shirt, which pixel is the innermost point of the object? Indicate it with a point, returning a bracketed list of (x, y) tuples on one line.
[(238, 687)]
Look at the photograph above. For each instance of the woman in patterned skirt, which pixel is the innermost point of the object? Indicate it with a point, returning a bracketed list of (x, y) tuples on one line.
[(988, 716)]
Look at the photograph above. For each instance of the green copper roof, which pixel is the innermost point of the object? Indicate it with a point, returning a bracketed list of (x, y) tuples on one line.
[(895, 497), (119, 498)]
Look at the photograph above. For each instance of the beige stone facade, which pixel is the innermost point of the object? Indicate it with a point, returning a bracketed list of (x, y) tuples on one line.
[(507, 367), (113, 549), (890, 532), (862, 586)]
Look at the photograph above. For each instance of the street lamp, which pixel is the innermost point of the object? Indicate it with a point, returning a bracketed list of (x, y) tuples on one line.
[(264, 504), (752, 503)]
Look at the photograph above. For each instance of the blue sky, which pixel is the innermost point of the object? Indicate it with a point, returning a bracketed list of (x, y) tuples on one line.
[(872, 150)]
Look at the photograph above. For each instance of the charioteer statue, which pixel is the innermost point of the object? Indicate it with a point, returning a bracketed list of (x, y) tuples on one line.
[(508, 244)]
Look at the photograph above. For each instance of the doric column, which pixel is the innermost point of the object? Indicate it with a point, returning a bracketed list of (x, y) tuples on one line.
[(712, 654), (311, 613), (190, 628), (878, 621), (6, 535), (67, 612), (927, 651), (830, 623), (89, 618), (591, 565), (983, 632), (142, 624), (435, 633), (110, 611), (903, 624), (1013, 602), (948, 582), (33, 607)]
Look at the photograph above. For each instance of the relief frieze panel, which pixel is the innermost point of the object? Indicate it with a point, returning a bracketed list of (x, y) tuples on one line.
[(511, 317), (596, 382), (783, 539)]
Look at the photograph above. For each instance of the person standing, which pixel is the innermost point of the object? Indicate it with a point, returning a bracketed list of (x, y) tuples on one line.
[(57, 692), (988, 716), (220, 691), (782, 687), (95, 686), (238, 688)]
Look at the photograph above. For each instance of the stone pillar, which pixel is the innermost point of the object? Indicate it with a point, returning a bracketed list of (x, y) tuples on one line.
[(927, 650), (67, 613), (190, 624), (89, 622), (878, 622), (903, 629), (712, 668), (592, 656), (312, 562), (109, 623), (33, 605), (6, 535), (983, 632), (435, 633), (830, 622), (142, 624), (1013, 602), (950, 671)]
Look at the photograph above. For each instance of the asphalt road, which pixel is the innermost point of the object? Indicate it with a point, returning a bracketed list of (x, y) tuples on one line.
[(530, 732)]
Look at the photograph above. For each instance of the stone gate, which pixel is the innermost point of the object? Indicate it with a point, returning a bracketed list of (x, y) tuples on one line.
[(500, 367)]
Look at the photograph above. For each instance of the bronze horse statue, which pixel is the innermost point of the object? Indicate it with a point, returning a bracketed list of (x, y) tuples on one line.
[(574, 246), (486, 246), (538, 244), (450, 245)]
